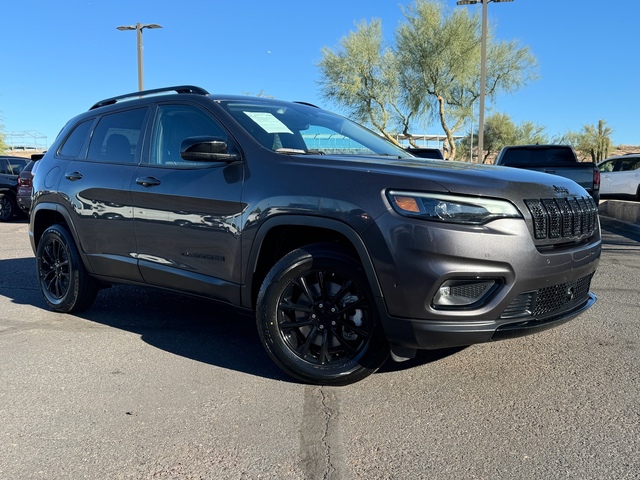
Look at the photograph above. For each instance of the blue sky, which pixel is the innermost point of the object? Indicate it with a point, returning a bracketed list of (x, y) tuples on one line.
[(60, 57)]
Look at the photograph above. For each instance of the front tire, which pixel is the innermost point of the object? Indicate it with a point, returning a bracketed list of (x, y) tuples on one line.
[(62, 277), (317, 318), (7, 208)]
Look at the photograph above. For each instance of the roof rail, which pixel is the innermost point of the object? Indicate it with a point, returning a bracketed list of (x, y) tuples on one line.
[(177, 89), (307, 104)]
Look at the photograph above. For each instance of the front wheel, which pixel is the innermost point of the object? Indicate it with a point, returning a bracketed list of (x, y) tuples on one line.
[(7, 208), (62, 277), (317, 318)]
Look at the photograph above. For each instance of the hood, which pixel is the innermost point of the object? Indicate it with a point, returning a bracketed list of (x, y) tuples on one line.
[(457, 177)]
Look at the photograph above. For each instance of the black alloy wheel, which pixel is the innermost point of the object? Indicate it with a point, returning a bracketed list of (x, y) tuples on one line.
[(62, 277), (317, 318), (7, 208)]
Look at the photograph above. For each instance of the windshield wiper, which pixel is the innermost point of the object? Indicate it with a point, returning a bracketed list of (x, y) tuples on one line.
[(298, 151)]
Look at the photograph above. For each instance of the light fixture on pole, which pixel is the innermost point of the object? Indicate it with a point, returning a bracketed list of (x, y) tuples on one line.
[(138, 27), (483, 66)]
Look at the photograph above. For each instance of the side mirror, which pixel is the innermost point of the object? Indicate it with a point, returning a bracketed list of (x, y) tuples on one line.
[(206, 149)]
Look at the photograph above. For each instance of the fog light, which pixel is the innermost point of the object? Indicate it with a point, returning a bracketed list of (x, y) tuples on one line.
[(463, 293)]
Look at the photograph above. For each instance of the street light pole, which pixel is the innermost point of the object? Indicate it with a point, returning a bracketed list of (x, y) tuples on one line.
[(138, 27), (483, 66)]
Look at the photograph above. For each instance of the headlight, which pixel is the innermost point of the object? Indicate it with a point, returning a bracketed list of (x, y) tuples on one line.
[(450, 208)]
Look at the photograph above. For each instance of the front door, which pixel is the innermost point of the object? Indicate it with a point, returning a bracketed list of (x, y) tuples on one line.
[(187, 214)]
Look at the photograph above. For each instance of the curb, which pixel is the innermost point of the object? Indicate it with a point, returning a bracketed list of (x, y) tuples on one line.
[(620, 215)]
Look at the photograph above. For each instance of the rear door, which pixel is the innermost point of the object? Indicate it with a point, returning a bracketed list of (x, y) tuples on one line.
[(187, 214), (4, 175), (10, 168), (619, 178), (98, 191), (624, 180)]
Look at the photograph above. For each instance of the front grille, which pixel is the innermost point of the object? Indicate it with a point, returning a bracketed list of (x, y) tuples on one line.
[(563, 217), (549, 300)]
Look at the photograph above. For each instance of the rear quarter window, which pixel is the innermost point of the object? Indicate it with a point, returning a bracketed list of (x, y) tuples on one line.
[(74, 142)]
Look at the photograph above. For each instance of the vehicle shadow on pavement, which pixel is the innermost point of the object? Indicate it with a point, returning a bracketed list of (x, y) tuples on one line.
[(19, 283), (423, 357), (193, 328), (204, 331)]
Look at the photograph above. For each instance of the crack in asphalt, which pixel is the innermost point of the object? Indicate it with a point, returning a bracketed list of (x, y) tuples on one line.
[(319, 435), (326, 410)]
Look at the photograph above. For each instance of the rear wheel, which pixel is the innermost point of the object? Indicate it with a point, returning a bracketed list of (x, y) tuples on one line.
[(317, 318), (62, 277), (7, 208)]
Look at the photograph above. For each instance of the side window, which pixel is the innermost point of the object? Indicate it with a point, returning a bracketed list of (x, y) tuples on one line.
[(16, 166), (3, 167), (627, 165), (607, 166), (172, 125), (74, 142), (117, 137)]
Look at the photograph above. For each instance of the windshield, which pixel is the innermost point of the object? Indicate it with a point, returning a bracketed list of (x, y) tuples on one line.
[(292, 128)]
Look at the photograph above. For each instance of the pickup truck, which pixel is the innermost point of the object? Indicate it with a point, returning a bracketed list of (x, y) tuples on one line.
[(558, 160)]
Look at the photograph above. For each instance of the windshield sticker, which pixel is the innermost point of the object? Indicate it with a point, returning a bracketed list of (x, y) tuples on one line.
[(268, 122)]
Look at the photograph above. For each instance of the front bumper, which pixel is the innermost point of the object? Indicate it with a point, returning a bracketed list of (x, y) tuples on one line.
[(420, 334), (536, 288)]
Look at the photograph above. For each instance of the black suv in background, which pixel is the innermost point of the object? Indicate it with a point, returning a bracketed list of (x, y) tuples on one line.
[(426, 152), (10, 168), (345, 246)]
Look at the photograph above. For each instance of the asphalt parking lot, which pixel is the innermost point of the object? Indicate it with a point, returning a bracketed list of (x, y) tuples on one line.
[(147, 385)]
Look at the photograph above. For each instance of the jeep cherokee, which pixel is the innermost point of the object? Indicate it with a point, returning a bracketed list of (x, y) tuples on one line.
[(346, 247)]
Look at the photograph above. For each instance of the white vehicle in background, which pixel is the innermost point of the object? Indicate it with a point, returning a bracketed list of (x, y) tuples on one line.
[(620, 176)]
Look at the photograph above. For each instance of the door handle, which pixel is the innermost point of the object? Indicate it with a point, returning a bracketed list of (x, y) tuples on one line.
[(147, 181), (73, 176)]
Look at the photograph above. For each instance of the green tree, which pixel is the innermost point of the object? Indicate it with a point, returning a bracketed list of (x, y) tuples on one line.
[(593, 141), (440, 58), (3, 146), (361, 77), (431, 74), (500, 131)]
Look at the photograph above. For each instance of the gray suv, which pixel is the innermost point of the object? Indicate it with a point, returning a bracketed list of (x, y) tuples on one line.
[(347, 248)]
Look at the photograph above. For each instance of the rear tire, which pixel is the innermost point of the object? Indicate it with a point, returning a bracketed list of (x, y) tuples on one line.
[(62, 277), (317, 318)]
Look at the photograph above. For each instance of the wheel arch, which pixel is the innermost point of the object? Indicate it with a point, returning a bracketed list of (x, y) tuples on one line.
[(46, 214), (280, 235)]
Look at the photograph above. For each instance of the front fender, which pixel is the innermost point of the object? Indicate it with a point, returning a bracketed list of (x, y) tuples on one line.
[(324, 223)]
